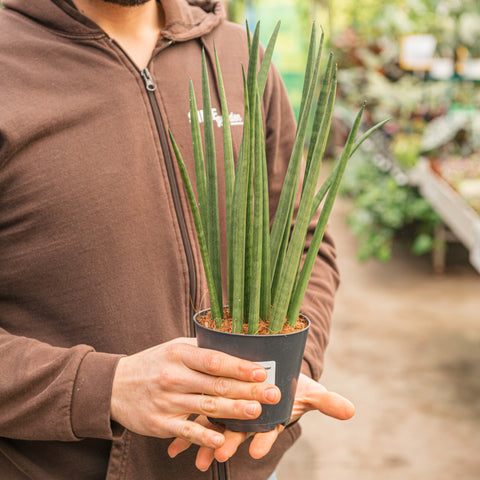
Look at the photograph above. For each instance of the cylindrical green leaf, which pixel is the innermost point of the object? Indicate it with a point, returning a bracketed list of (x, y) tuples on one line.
[(297, 242), (229, 175), (239, 211), (319, 113), (283, 218), (198, 158), (256, 280), (266, 61), (251, 89), (310, 66), (213, 223), (301, 288), (266, 294), (216, 311)]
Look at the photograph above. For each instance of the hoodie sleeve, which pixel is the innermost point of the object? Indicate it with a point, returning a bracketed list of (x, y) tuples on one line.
[(45, 391), (319, 297)]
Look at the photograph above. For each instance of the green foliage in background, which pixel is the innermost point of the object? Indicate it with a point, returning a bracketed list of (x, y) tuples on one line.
[(385, 211), (431, 119), (436, 119), (452, 22)]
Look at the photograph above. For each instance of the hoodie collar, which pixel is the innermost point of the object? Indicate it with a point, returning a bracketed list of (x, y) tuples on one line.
[(184, 19), (188, 19)]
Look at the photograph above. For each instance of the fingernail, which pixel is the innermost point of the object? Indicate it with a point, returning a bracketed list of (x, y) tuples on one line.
[(271, 394), (251, 410), (259, 375)]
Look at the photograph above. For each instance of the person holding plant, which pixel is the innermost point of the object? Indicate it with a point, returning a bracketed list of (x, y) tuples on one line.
[(100, 272)]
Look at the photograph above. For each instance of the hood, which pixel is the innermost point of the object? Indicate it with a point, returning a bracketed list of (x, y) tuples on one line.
[(185, 19)]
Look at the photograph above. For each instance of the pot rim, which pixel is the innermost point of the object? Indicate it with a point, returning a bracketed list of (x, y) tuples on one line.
[(249, 334)]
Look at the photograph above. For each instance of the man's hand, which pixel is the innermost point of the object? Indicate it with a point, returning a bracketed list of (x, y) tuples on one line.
[(155, 391), (310, 396)]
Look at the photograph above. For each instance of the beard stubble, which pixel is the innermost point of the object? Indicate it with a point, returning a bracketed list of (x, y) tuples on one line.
[(127, 3)]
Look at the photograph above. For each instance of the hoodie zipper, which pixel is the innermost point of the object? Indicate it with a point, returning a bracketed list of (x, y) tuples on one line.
[(221, 471), (150, 87)]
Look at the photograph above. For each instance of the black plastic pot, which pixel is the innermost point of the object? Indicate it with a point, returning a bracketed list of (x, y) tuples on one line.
[(281, 355)]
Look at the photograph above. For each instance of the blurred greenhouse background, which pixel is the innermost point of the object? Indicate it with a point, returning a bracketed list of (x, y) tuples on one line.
[(418, 63)]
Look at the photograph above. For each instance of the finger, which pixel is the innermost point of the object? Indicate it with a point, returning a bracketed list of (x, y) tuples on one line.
[(179, 445), (222, 365), (334, 405), (187, 340), (328, 403), (232, 441), (205, 457), (211, 406), (234, 389), (193, 432), (262, 442), (311, 395), (226, 387)]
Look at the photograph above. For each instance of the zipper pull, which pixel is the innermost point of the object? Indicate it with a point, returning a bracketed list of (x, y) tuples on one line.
[(147, 78)]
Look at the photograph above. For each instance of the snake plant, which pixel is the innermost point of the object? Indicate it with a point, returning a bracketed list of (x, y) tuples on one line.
[(265, 277)]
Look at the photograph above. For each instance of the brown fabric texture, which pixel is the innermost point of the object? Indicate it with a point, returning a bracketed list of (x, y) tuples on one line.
[(93, 254)]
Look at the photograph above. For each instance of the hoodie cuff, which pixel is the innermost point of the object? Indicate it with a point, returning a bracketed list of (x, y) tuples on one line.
[(309, 371), (92, 391), (306, 370)]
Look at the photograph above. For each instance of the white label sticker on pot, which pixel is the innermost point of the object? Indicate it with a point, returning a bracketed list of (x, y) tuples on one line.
[(270, 368)]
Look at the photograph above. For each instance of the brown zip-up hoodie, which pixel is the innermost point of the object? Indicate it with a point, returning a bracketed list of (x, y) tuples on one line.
[(98, 256)]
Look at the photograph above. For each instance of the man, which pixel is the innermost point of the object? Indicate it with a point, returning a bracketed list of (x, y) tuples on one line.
[(100, 272)]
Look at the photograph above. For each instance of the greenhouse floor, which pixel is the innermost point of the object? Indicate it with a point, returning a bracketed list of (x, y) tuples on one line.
[(405, 348)]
